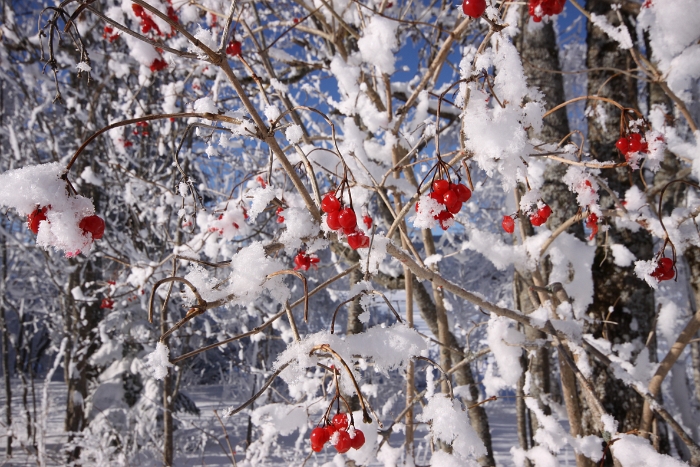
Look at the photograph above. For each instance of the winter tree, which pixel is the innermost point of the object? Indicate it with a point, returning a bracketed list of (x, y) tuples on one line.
[(376, 229)]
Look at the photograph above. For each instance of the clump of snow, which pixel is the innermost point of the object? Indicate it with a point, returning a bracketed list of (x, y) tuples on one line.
[(39, 186), (622, 256), (620, 34), (84, 66), (634, 199), (644, 269), (504, 341), (272, 112), (294, 134), (635, 451), (379, 42), (449, 422), (205, 105), (428, 208), (159, 361), (299, 225)]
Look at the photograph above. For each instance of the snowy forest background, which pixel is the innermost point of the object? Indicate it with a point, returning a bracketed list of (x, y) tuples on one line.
[(207, 133)]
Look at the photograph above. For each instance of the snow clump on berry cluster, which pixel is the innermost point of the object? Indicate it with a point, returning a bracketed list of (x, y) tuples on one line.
[(39, 186)]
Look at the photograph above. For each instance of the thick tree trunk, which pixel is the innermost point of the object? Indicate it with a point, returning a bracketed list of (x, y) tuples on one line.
[(619, 296)]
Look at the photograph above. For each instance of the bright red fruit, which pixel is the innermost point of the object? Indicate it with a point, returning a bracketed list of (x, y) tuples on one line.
[(440, 187), (474, 8), (463, 192), (158, 64), (347, 218), (592, 223), (340, 421), (330, 203), (94, 225), (623, 145), (443, 217), (452, 202), (280, 219), (356, 241), (107, 303), (508, 224), (544, 212), (359, 440), (664, 270), (344, 442), (35, 218), (233, 48), (332, 220), (536, 220), (319, 436), (368, 221)]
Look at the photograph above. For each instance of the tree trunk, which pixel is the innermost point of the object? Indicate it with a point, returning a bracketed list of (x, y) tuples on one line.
[(619, 296), (5, 350)]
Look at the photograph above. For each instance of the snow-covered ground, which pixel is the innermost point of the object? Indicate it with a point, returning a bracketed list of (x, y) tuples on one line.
[(213, 448)]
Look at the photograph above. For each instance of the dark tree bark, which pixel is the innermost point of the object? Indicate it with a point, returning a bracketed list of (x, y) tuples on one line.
[(615, 288)]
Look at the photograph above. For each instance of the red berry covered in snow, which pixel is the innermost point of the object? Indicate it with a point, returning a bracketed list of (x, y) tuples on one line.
[(93, 225), (35, 218), (107, 303), (474, 8), (508, 224)]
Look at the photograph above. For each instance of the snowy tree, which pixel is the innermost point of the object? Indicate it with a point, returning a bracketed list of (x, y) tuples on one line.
[(257, 195)]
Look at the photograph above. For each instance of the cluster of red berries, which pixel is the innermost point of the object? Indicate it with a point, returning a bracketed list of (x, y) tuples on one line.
[(304, 261), (664, 270), (541, 8), (158, 64), (107, 303), (474, 8), (337, 433), (109, 34), (536, 219), (541, 216), (345, 219), (93, 225), (630, 144), (280, 219), (142, 132), (452, 196), (147, 23), (233, 48)]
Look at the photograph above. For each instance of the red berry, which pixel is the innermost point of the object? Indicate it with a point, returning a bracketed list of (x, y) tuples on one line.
[(332, 220), (368, 221), (440, 187), (356, 241), (544, 212), (443, 217), (340, 421), (463, 192), (508, 224), (319, 436), (536, 220), (622, 145), (107, 303), (158, 64), (359, 440), (316, 447), (664, 270), (35, 218), (344, 442), (347, 218), (280, 219), (635, 142), (303, 261), (437, 197), (94, 225), (452, 202), (474, 8), (330, 203), (233, 48)]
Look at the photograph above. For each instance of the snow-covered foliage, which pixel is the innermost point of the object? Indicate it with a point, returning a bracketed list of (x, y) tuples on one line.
[(235, 193)]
